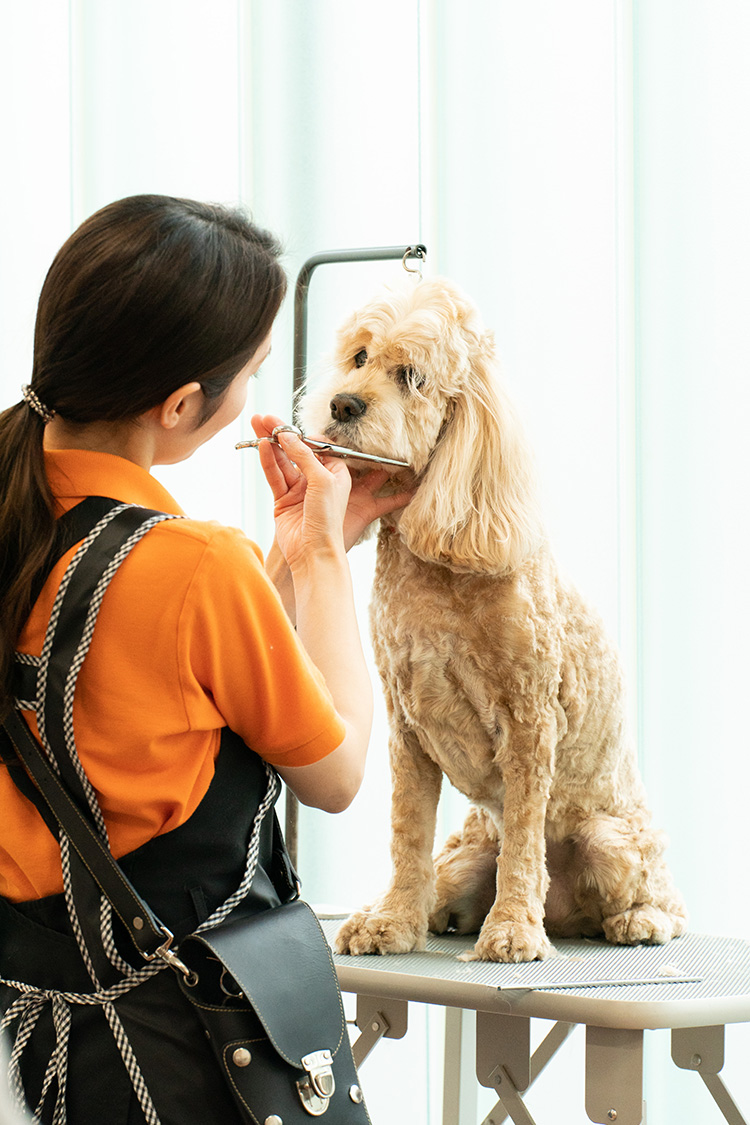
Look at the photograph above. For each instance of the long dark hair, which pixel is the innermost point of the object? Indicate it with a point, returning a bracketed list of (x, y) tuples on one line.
[(148, 294)]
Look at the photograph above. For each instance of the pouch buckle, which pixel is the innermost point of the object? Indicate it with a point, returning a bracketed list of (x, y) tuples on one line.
[(169, 956), (317, 1089)]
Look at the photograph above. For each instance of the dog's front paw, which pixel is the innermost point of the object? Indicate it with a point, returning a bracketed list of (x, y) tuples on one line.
[(379, 932), (643, 925), (510, 941)]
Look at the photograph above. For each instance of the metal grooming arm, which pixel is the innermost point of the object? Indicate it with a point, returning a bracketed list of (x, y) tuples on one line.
[(328, 257)]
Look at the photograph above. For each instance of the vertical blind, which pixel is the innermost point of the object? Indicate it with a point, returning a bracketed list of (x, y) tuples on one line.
[(582, 170)]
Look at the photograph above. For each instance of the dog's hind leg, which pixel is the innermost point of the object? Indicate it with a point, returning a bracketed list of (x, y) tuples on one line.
[(625, 880), (397, 923), (465, 876)]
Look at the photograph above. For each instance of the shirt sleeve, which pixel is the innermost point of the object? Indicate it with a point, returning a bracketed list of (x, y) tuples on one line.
[(241, 657)]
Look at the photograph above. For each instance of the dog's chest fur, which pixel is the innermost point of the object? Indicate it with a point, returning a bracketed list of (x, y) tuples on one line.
[(464, 658), (456, 653)]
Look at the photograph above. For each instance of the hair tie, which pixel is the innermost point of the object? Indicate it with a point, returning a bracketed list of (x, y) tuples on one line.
[(31, 398)]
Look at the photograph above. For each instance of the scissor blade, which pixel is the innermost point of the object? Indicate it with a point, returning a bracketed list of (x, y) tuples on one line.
[(326, 447), (356, 455)]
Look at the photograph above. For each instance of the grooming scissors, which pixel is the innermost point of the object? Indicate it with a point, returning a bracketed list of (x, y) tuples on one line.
[(326, 447)]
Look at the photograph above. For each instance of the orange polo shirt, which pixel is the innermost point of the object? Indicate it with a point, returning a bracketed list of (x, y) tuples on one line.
[(191, 637)]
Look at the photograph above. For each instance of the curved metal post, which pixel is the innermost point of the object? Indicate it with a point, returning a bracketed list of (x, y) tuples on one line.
[(326, 257)]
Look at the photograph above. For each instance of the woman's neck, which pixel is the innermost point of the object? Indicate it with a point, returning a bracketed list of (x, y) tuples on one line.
[(129, 439)]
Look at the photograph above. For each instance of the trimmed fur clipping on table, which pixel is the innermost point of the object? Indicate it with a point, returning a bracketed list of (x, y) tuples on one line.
[(496, 671)]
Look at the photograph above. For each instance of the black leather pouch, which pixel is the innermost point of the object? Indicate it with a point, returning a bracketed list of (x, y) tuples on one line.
[(266, 991)]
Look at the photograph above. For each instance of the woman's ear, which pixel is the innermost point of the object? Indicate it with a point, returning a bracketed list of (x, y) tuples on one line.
[(181, 406), (476, 507)]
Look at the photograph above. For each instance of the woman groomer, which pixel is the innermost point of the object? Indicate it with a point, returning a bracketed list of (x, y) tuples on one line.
[(153, 317)]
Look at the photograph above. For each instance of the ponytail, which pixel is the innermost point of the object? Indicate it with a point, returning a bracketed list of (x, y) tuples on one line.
[(27, 528)]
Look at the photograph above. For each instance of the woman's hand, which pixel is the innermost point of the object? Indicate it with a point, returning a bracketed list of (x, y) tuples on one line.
[(289, 482), (365, 505), (310, 494)]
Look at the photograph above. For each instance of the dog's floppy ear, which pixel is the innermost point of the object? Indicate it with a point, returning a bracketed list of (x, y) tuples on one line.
[(476, 507)]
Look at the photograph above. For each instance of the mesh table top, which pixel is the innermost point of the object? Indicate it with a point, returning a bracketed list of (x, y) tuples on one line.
[(694, 981)]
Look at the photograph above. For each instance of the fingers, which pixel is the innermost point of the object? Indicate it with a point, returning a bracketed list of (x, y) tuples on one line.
[(265, 424), (297, 451), (286, 446), (280, 472), (386, 504), (369, 486), (370, 480), (287, 461)]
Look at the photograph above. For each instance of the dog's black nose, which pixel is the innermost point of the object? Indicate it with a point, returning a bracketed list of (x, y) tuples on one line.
[(346, 407)]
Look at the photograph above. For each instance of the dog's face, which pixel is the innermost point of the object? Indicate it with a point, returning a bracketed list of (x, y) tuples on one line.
[(414, 378), (399, 364)]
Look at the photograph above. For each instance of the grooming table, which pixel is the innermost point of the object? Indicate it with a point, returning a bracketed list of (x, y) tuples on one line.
[(695, 985)]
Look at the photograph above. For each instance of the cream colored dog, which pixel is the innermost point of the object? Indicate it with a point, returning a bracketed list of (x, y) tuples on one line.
[(496, 672)]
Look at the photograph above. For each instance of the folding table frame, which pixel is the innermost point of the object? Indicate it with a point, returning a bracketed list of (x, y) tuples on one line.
[(694, 985)]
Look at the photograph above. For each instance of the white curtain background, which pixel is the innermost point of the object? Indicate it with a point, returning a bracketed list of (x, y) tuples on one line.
[(582, 170)]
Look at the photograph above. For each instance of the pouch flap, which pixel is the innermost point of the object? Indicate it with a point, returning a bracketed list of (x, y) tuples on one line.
[(282, 962)]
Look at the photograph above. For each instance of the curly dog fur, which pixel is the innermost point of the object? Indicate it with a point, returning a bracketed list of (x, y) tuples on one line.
[(496, 672)]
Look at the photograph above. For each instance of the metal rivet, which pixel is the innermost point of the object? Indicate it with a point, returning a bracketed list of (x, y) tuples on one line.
[(612, 1115), (356, 1095), (376, 1026), (242, 1057), (138, 923), (274, 1119), (696, 1062)]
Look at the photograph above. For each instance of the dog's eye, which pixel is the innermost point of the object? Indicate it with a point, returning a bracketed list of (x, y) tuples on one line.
[(360, 358), (409, 377)]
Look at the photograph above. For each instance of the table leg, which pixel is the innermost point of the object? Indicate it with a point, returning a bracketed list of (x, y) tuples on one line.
[(702, 1049), (504, 1064), (614, 1076), (378, 1018), (544, 1053), (459, 1083)]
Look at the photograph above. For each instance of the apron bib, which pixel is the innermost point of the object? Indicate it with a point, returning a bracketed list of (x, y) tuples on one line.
[(136, 1052)]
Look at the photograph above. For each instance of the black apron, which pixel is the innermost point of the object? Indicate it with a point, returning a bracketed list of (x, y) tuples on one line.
[(184, 876)]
